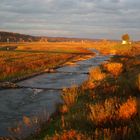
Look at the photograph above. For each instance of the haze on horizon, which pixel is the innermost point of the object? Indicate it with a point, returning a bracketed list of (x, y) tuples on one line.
[(72, 18)]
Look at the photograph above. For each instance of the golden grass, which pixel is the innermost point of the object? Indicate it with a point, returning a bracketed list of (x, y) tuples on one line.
[(110, 47), (67, 47), (128, 109), (99, 134), (15, 64), (112, 110), (104, 46), (100, 113), (114, 68), (69, 96), (95, 74), (33, 57), (67, 135), (89, 112)]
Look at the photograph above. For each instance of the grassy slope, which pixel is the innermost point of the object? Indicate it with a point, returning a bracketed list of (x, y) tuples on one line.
[(23, 59), (106, 106)]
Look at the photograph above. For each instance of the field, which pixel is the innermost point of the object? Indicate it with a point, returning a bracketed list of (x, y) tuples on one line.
[(19, 60), (106, 106)]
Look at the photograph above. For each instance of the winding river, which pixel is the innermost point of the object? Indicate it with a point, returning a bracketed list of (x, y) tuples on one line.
[(40, 95)]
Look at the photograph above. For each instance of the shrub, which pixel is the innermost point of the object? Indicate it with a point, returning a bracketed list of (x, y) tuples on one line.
[(88, 85), (114, 68), (128, 109), (96, 74), (70, 96), (102, 112), (112, 110)]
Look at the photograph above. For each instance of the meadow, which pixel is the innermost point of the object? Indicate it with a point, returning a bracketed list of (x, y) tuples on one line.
[(106, 106), (19, 60)]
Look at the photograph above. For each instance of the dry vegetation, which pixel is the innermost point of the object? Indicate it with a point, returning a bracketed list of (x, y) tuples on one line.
[(106, 106), (112, 110), (96, 74), (114, 68), (69, 96), (28, 58), (110, 47)]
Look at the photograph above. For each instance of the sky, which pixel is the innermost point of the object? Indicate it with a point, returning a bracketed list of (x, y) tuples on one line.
[(97, 19)]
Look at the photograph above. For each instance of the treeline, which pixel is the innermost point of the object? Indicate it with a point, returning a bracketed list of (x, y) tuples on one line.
[(16, 37)]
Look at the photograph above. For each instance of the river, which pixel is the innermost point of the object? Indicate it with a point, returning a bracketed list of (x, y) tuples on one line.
[(40, 95)]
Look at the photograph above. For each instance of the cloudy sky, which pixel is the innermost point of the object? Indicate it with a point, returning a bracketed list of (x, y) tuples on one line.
[(72, 18)]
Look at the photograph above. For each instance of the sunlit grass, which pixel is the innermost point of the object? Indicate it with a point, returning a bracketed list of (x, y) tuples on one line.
[(114, 68), (106, 106), (30, 58), (16, 64), (112, 110), (95, 74), (70, 96)]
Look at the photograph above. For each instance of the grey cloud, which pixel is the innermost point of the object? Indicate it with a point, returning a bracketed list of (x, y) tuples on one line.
[(79, 18)]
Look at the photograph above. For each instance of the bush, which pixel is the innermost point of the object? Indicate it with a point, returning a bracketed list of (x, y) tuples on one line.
[(112, 110), (69, 96), (95, 74), (102, 112), (114, 68), (128, 109)]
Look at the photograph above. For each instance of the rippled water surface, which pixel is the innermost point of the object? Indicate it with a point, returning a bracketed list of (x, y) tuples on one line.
[(41, 93)]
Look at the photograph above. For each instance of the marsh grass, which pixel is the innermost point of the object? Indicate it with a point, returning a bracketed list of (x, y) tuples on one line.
[(112, 110), (23, 63), (114, 68), (70, 96), (95, 74), (29, 58)]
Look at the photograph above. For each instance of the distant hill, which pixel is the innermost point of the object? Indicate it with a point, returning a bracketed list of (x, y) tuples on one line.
[(16, 37)]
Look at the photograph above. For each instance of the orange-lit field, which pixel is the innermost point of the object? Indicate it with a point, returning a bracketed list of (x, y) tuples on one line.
[(69, 47), (22, 59), (106, 106)]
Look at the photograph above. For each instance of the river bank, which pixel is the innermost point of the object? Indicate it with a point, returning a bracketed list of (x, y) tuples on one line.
[(34, 58), (106, 106), (70, 61)]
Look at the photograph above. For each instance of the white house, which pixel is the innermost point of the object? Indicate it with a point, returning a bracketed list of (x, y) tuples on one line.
[(124, 42)]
